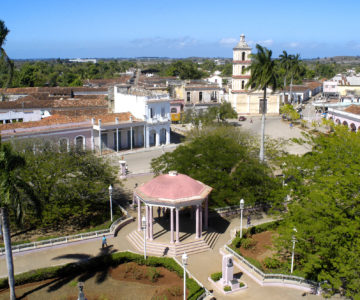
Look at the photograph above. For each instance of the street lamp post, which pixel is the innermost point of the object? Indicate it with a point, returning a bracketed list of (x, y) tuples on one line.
[(242, 202), (81, 295), (293, 250), (184, 258), (143, 227), (110, 194)]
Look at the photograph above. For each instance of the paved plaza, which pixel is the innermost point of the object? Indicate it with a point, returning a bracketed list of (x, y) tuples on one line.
[(200, 265)]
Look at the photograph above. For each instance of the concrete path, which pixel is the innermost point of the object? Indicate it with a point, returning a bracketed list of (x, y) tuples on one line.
[(200, 265)]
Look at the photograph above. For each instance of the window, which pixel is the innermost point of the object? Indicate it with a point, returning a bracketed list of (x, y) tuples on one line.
[(242, 84), (63, 143), (242, 69), (7, 121), (20, 120), (173, 110), (151, 113), (200, 96), (243, 56), (188, 96), (79, 143), (213, 96), (1, 121)]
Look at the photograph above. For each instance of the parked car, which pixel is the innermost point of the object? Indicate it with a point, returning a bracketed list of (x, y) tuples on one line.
[(242, 118)]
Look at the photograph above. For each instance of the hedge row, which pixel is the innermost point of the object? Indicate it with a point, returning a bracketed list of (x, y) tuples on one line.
[(101, 262)]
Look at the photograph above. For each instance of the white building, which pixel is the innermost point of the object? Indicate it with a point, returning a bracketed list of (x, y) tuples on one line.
[(242, 99), (154, 109), (216, 79)]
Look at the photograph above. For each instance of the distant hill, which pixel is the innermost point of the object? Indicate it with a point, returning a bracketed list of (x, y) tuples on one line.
[(347, 60)]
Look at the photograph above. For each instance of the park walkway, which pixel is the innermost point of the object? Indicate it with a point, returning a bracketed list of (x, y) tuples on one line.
[(200, 265)]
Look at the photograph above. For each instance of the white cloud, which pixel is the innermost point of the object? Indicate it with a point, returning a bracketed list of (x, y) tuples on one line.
[(266, 43), (228, 41), (164, 42), (294, 45)]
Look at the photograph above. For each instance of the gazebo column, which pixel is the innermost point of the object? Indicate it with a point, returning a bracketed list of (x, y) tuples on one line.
[(177, 226), (197, 222), (147, 221), (200, 220), (206, 221), (139, 213), (151, 222), (171, 225)]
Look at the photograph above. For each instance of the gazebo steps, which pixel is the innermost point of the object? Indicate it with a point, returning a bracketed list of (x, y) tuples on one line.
[(163, 249), (211, 238)]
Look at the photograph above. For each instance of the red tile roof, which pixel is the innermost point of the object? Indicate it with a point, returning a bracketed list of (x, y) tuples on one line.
[(354, 109), (72, 121)]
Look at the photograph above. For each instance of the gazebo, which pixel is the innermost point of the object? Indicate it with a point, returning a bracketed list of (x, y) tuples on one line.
[(172, 192)]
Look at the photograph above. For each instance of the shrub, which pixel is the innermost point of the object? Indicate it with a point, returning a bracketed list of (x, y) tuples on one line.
[(216, 276), (153, 274), (227, 288), (248, 243), (242, 284), (175, 291), (255, 263), (271, 263), (101, 262), (264, 227), (236, 242)]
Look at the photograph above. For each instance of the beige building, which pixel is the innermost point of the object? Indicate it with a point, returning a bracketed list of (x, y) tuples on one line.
[(246, 101)]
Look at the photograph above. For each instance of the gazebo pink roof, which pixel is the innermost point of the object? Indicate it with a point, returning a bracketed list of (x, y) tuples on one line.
[(173, 188)]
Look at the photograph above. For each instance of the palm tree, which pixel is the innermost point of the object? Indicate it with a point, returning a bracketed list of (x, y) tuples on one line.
[(3, 33), (294, 70), (263, 75), (285, 62), (11, 192)]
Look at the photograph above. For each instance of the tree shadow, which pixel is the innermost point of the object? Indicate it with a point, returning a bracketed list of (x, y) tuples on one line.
[(79, 272)]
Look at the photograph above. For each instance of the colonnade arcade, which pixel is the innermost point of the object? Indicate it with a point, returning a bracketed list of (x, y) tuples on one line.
[(173, 192), (201, 219)]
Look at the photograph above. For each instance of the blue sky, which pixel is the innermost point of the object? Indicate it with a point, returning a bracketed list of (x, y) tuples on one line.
[(122, 28)]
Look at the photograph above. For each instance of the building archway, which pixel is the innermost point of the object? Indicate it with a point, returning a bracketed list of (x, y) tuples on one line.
[(162, 136), (353, 127), (152, 138), (64, 145), (80, 142)]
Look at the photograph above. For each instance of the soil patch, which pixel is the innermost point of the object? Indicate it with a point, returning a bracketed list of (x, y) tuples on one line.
[(262, 248), (127, 281)]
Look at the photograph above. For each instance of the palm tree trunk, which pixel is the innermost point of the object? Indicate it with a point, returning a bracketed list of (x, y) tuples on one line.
[(284, 89), (291, 90), (8, 251), (263, 129)]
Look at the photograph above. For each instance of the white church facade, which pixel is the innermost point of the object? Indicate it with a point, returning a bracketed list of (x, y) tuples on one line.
[(242, 99)]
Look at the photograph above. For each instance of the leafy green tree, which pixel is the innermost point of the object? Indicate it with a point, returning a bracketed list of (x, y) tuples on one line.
[(72, 187), (4, 31), (220, 113), (324, 187), (224, 158), (263, 75), (227, 70), (290, 112)]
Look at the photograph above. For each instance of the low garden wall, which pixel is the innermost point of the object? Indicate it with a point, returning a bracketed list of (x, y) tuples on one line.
[(268, 279)]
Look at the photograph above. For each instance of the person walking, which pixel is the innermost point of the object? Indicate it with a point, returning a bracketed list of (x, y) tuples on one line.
[(104, 242), (248, 221)]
